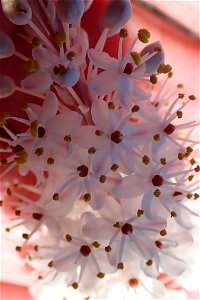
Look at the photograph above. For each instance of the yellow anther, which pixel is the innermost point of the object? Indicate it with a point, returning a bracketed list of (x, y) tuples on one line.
[(99, 132), (170, 74), (120, 266), (143, 35), (181, 96), (136, 58), (18, 248), (87, 197), (92, 150), (34, 128), (39, 151), (68, 237), (60, 38), (32, 66), (140, 212), (146, 160), (102, 178), (25, 236), (163, 232), (173, 214), (114, 167), (192, 97), (149, 262), (56, 196), (163, 161), (153, 79), (75, 285), (135, 108), (71, 55), (95, 244), (179, 114), (123, 33), (108, 249), (167, 69), (50, 161), (68, 138), (3, 118), (111, 105), (157, 193), (36, 41), (156, 137), (50, 264), (117, 225), (189, 196), (21, 158), (100, 275)]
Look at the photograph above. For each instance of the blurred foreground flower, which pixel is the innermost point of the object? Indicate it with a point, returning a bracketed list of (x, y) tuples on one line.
[(113, 162)]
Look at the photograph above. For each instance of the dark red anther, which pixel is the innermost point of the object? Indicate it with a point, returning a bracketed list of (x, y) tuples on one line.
[(17, 148), (41, 132), (83, 170), (169, 129), (128, 69), (177, 193), (157, 180), (85, 250), (116, 137), (158, 244), (126, 228), (37, 216)]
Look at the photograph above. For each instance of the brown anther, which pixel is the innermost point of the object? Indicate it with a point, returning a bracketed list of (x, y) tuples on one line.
[(102, 178), (181, 156), (190, 177), (136, 58), (149, 262), (128, 69), (133, 282), (116, 137), (36, 41), (7, 229), (5, 145), (145, 160), (25, 236), (17, 212), (156, 137), (21, 157), (24, 106), (157, 180), (127, 228), (39, 151), (87, 197), (117, 225), (192, 161), (36, 248), (114, 167), (163, 232), (143, 35), (85, 250), (170, 74), (189, 196), (108, 249), (179, 114), (157, 193), (32, 66), (169, 129), (173, 214), (100, 275), (197, 169), (18, 248), (99, 132), (158, 244), (60, 38), (50, 161), (180, 86), (167, 69), (111, 105), (135, 108), (163, 161), (196, 196), (192, 97), (50, 264), (75, 285), (40, 277), (68, 237), (68, 138), (95, 244), (120, 266), (189, 149), (1, 203), (34, 128), (123, 33), (4, 162), (71, 55), (160, 68), (140, 212), (92, 150), (9, 192), (153, 79), (37, 216), (56, 196), (83, 170), (181, 96), (17, 148)]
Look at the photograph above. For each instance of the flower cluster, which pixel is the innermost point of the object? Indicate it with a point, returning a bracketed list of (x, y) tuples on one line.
[(111, 155)]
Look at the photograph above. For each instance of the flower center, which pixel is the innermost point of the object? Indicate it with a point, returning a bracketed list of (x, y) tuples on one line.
[(59, 70), (83, 170), (158, 244), (157, 180), (128, 69), (17, 148), (169, 129), (37, 216), (41, 132), (85, 250), (133, 282), (116, 137), (126, 228)]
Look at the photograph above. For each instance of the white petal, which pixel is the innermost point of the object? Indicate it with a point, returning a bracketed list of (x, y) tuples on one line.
[(124, 91), (7, 86), (172, 265), (101, 162), (53, 226), (100, 115), (99, 84), (44, 57), (130, 187), (150, 204), (37, 82), (7, 46), (98, 229), (49, 107), (103, 60)]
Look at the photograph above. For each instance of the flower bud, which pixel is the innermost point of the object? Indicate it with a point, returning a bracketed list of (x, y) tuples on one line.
[(116, 14), (70, 11), (7, 86), (153, 63), (7, 47), (17, 11)]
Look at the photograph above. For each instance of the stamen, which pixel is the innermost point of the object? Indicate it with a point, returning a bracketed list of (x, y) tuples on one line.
[(120, 266), (169, 129), (123, 33), (173, 214), (114, 167), (50, 161), (116, 137), (135, 108), (158, 244), (117, 225), (100, 275), (60, 39), (68, 237), (92, 150), (36, 42), (179, 114), (102, 178), (39, 151), (157, 180), (99, 132), (127, 228), (192, 97), (133, 282), (18, 248), (156, 137), (108, 249), (128, 69), (21, 158), (144, 35), (140, 212), (25, 236), (83, 170), (50, 264), (68, 138), (153, 79), (36, 248), (37, 216), (75, 285), (157, 193), (163, 232), (111, 105), (95, 244), (149, 262), (87, 197), (163, 161), (85, 250), (136, 58), (71, 55), (146, 160), (56, 196)]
